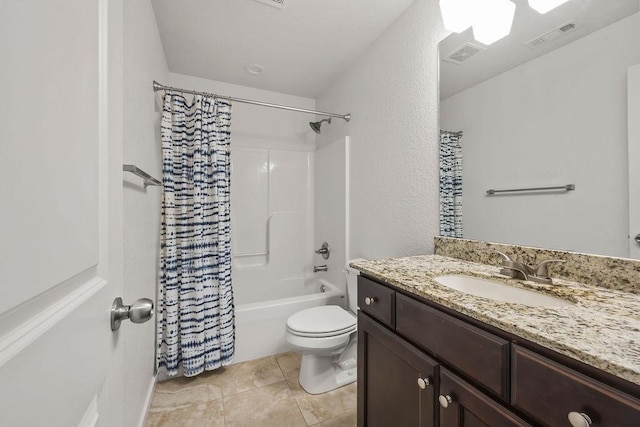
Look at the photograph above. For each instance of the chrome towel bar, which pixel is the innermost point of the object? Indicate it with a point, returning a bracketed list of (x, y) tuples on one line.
[(568, 187), (148, 179)]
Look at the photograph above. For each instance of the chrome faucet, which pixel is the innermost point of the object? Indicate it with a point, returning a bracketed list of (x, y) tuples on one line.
[(520, 270), (317, 268)]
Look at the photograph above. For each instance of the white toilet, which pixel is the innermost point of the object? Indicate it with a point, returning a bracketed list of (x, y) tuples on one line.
[(326, 337)]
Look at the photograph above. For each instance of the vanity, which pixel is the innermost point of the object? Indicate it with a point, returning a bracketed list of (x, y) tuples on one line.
[(429, 355)]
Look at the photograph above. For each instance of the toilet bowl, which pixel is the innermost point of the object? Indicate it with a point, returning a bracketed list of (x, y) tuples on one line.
[(326, 337)]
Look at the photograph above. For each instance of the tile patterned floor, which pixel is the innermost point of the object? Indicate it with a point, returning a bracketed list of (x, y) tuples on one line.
[(263, 392)]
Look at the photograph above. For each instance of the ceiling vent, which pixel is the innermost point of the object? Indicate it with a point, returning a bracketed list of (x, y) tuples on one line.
[(464, 53), (275, 3), (552, 35)]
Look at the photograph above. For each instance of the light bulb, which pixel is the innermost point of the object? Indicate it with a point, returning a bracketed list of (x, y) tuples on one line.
[(544, 6), (493, 20), (457, 15)]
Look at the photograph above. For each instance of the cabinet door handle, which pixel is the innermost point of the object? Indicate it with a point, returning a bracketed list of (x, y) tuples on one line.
[(369, 300), (445, 401), (423, 383), (579, 419)]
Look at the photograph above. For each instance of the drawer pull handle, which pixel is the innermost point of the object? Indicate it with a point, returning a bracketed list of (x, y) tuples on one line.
[(423, 383), (369, 300), (579, 419), (445, 401)]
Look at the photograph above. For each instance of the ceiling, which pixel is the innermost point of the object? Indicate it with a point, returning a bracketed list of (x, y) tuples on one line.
[(505, 54), (302, 46)]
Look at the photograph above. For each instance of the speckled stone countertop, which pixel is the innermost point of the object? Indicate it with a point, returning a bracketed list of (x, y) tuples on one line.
[(602, 329)]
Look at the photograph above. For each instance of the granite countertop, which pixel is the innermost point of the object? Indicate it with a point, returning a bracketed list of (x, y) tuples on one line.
[(602, 329)]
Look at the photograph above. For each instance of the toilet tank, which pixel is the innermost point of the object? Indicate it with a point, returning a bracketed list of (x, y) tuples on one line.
[(352, 286)]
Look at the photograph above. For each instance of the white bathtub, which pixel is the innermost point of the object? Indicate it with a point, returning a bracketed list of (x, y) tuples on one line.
[(261, 319)]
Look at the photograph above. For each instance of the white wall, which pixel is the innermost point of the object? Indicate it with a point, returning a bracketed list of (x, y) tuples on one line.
[(558, 119), (272, 156), (392, 94), (144, 62)]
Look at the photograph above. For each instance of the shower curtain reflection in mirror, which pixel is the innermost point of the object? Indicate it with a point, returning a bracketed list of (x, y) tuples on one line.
[(450, 184)]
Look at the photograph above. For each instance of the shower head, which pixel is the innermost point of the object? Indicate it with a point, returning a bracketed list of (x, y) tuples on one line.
[(316, 125)]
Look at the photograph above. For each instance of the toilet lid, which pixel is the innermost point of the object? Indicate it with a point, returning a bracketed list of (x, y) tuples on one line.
[(322, 321)]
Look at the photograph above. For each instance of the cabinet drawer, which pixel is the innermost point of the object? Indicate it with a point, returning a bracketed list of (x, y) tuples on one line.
[(548, 391), (481, 355), (377, 300)]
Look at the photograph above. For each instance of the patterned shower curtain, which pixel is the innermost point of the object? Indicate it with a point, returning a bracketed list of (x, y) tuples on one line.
[(450, 184), (195, 313)]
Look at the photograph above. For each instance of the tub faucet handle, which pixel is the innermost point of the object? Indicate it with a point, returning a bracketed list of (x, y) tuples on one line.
[(324, 250)]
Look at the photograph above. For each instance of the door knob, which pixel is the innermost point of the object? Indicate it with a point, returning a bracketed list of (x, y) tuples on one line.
[(637, 238), (139, 312)]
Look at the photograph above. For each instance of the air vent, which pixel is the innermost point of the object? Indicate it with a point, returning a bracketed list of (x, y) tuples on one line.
[(552, 35), (567, 27), (275, 3), (464, 53)]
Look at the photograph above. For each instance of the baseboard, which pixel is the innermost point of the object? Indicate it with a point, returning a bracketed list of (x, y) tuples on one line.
[(152, 388)]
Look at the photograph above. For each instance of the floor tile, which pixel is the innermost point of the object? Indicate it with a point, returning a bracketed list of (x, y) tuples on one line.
[(289, 363), (346, 420), (181, 391), (267, 406), (209, 414), (249, 375), (317, 408)]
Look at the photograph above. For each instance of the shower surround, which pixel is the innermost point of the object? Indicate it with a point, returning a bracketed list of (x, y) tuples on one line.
[(272, 244)]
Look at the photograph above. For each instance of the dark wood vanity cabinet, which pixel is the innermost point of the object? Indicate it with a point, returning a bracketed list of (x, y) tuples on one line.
[(420, 366)]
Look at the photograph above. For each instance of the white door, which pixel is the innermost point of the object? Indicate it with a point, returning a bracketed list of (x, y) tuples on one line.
[(633, 83), (60, 216)]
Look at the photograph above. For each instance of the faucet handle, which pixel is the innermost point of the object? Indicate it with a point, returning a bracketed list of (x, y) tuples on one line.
[(324, 250), (503, 255), (541, 271)]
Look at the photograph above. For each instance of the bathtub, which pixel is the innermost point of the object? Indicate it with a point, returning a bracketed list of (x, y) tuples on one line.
[(261, 319)]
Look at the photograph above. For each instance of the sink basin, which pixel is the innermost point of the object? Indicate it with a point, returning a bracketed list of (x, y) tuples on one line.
[(499, 291)]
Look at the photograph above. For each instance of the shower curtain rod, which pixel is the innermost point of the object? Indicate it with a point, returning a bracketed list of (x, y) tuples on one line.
[(157, 86)]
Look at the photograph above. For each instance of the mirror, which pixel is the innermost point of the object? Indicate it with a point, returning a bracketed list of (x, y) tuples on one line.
[(546, 106)]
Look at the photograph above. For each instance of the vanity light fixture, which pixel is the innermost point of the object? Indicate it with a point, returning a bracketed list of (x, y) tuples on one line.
[(544, 6), (491, 19)]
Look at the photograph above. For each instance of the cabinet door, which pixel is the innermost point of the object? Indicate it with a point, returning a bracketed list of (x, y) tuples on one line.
[(395, 380), (461, 405)]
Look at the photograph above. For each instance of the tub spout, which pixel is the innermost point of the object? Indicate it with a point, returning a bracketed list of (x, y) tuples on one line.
[(317, 268)]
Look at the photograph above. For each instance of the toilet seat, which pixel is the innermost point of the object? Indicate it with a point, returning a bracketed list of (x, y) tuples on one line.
[(321, 322)]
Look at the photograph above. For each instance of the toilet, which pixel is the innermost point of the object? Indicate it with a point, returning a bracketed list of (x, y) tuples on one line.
[(326, 336)]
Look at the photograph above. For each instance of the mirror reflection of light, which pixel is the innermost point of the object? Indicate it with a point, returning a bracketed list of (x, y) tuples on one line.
[(544, 6), (491, 19), (457, 15)]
